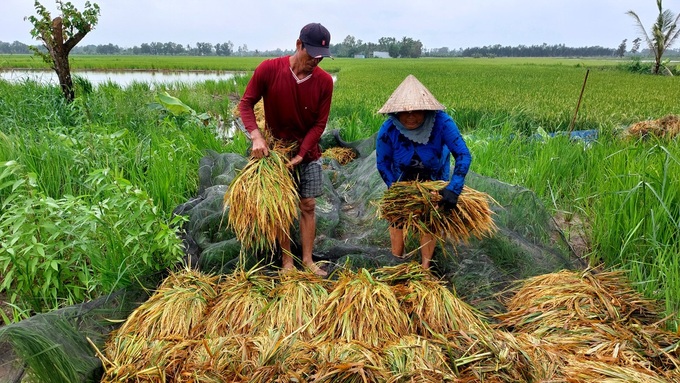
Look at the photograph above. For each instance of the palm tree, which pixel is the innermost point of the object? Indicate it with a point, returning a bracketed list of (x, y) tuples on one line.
[(664, 33)]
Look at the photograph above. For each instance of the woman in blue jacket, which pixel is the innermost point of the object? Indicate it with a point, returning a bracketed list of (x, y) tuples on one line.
[(416, 142)]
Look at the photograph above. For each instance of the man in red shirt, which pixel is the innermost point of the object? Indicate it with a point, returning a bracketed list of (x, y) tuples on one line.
[(297, 96)]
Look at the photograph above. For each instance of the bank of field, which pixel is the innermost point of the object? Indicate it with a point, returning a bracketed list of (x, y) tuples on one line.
[(624, 191)]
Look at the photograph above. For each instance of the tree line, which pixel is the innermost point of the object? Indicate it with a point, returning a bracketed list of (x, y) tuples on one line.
[(349, 47)]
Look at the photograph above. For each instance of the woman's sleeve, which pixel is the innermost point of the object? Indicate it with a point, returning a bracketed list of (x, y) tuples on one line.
[(384, 155), (460, 152)]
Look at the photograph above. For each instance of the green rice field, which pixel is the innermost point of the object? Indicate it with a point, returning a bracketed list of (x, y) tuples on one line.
[(85, 164)]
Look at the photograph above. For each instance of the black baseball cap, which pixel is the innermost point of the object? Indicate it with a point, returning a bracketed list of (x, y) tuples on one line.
[(317, 40)]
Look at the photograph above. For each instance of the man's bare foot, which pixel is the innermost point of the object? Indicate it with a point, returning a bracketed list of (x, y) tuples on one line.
[(316, 269), (286, 267)]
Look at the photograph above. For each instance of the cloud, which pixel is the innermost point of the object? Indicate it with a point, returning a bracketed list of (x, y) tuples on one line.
[(272, 24)]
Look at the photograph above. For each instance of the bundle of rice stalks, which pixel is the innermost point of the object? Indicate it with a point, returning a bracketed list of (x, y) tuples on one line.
[(242, 297), (580, 371), (415, 359), (281, 359), (435, 309), (340, 154), (567, 298), (359, 308), (223, 359), (293, 304), (664, 127), (178, 305), (398, 277), (401, 273), (529, 359), (348, 362), (133, 358), (262, 201), (413, 206)]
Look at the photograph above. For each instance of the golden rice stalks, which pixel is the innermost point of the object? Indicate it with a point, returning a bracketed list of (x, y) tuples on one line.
[(595, 316), (262, 201), (340, 154), (435, 309), (415, 359), (360, 308), (281, 359), (582, 371), (293, 304), (348, 362), (413, 205), (134, 359), (259, 115), (242, 297), (664, 127), (403, 272), (223, 359), (568, 298), (545, 360), (398, 277), (176, 307)]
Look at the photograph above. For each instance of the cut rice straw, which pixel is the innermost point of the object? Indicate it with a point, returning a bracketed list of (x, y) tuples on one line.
[(413, 205), (293, 304), (241, 299), (262, 203), (341, 154), (363, 309)]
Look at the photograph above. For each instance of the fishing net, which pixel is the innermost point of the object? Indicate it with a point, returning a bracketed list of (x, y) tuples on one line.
[(349, 236), (58, 346)]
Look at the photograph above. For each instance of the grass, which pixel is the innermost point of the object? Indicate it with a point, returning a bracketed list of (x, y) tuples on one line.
[(623, 190)]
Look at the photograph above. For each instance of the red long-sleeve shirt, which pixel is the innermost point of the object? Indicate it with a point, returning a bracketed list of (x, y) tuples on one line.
[(294, 111)]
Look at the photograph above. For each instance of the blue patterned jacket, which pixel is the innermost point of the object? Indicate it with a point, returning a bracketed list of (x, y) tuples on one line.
[(395, 154)]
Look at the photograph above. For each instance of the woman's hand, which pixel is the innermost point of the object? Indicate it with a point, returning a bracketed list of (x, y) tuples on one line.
[(449, 199)]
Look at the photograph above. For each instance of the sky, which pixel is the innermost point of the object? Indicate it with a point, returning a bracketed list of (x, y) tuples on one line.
[(276, 24)]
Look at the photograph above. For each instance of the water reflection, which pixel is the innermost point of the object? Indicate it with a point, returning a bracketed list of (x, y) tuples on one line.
[(122, 78)]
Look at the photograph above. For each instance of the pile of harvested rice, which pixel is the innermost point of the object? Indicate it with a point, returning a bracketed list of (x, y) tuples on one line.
[(361, 308), (414, 358), (593, 326), (340, 154), (561, 327), (353, 362), (259, 115), (414, 206), (242, 297), (293, 304), (664, 127)]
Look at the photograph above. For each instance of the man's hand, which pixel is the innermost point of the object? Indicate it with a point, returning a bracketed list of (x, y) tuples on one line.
[(293, 162), (449, 199), (260, 148)]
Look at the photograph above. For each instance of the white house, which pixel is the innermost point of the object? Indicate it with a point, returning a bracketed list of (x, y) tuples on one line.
[(381, 55)]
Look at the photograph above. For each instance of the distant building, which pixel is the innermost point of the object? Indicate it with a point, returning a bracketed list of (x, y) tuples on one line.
[(381, 55), (359, 56)]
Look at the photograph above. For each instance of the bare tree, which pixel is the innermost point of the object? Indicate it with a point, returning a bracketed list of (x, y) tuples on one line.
[(663, 34), (60, 35)]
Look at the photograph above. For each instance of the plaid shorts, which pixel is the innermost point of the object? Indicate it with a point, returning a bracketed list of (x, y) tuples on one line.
[(309, 180)]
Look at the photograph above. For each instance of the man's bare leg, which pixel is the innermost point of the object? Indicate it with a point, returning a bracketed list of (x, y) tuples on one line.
[(308, 234), (427, 246), (286, 255)]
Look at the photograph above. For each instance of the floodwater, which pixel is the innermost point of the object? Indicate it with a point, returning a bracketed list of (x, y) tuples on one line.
[(121, 78)]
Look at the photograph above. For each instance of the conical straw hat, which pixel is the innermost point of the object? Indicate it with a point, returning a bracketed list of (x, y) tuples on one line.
[(411, 95)]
